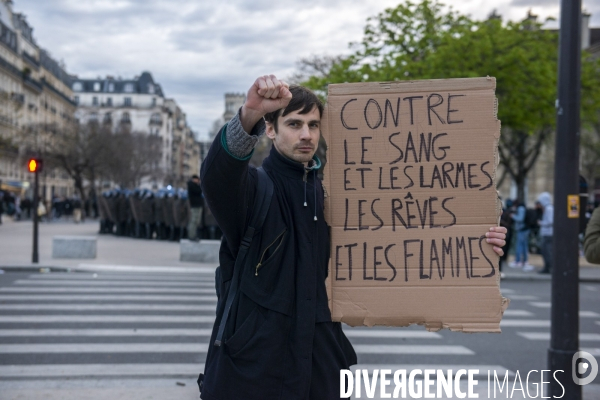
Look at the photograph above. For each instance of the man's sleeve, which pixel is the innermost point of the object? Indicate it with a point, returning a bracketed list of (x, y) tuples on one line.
[(548, 217), (591, 243), (227, 183)]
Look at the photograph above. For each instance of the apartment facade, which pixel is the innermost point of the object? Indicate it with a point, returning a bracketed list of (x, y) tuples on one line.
[(35, 103), (140, 105)]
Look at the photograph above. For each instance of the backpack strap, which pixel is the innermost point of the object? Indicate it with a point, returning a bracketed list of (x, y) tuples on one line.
[(262, 201)]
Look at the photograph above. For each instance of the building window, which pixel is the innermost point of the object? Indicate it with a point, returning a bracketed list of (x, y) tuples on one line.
[(125, 119), (96, 86), (127, 101), (94, 101), (109, 101), (76, 99), (107, 120), (111, 87), (155, 119), (93, 116), (128, 88), (150, 88), (154, 102), (77, 86)]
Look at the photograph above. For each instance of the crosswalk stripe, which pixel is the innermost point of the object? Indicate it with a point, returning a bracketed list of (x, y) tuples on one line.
[(120, 277), (483, 369), (412, 349), (81, 370), (103, 332), (91, 297), (541, 304), (518, 313), (210, 290), (532, 323), (381, 333), (54, 348), (110, 307), (546, 336), (208, 269), (107, 318), (593, 351), (522, 297), (588, 314), (80, 283)]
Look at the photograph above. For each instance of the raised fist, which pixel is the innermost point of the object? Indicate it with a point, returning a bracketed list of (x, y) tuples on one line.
[(266, 95)]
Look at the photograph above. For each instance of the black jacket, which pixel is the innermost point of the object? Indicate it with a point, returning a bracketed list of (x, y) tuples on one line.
[(279, 340), (195, 194)]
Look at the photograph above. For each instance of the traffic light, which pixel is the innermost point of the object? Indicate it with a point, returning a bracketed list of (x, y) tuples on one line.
[(35, 165)]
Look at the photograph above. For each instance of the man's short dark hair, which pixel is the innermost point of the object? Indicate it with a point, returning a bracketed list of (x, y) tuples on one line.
[(303, 99)]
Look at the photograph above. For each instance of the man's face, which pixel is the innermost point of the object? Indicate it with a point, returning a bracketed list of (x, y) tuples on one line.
[(297, 135), (196, 180)]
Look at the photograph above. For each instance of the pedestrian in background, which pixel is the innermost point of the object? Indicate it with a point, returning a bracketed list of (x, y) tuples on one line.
[(76, 209), (591, 242), (522, 231), (196, 205), (546, 230)]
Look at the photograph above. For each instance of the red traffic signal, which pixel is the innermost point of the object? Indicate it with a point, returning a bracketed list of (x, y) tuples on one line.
[(34, 165)]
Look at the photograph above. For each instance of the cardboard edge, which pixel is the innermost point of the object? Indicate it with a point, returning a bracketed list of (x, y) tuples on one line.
[(325, 132), (482, 83)]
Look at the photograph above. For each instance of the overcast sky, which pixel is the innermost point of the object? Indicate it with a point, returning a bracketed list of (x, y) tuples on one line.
[(198, 50)]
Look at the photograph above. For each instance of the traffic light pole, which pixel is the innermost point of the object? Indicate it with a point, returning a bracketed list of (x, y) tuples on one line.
[(36, 199), (564, 340)]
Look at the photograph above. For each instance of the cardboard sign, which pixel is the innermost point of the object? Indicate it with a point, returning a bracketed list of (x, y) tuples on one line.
[(411, 193)]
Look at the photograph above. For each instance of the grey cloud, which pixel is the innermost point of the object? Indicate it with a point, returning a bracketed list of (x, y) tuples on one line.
[(533, 3)]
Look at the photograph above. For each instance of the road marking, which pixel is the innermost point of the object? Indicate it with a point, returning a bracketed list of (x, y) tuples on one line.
[(593, 351), (209, 268), (108, 318), (110, 307), (412, 349), (533, 323), (518, 313), (81, 283), (54, 348), (80, 370), (522, 297), (92, 297), (588, 314), (546, 336), (104, 332), (483, 369), (83, 277), (388, 333), (104, 290), (541, 304)]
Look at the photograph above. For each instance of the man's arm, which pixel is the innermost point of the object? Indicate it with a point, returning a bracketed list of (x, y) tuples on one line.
[(226, 182)]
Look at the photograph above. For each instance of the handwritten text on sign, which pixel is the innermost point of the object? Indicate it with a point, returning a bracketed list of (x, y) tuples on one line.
[(413, 188)]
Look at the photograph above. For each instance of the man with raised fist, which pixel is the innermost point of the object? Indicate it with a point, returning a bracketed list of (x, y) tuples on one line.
[(277, 339)]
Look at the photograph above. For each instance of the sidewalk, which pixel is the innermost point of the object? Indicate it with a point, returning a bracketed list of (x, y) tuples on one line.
[(129, 254), (117, 253)]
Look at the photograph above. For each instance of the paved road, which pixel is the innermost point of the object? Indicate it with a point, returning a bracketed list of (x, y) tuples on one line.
[(143, 336)]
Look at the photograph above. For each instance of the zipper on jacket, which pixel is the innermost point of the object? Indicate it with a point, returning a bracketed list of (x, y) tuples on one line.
[(268, 247)]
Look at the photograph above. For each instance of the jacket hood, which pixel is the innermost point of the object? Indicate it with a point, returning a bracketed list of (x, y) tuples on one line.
[(545, 199)]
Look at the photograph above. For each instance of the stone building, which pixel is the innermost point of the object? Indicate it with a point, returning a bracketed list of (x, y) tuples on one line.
[(35, 102), (233, 102), (140, 105)]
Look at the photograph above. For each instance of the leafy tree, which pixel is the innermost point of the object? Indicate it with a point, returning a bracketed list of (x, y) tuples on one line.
[(590, 120), (424, 41)]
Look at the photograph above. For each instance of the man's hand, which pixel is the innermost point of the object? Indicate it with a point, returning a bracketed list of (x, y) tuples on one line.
[(496, 237), (266, 95)]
